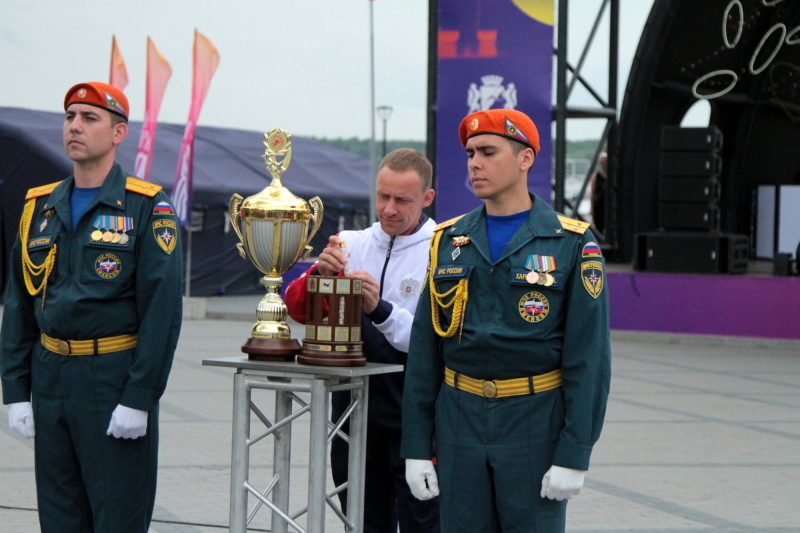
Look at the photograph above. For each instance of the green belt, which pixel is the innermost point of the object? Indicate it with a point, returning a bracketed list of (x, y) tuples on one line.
[(90, 347), (499, 388)]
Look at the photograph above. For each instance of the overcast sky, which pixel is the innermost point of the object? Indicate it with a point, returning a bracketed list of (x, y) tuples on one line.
[(300, 65)]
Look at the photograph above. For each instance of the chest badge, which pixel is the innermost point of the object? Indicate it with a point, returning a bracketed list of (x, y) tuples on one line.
[(533, 306), (107, 266), (409, 288)]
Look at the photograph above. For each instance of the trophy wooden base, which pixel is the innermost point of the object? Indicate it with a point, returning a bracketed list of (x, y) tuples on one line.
[(333, 358), (271, 349)]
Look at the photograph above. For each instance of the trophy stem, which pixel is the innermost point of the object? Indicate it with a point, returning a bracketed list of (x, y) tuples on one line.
[(271, 338)]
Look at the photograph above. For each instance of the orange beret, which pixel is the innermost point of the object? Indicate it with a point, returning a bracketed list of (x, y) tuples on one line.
[(100, 95), (508, 123)]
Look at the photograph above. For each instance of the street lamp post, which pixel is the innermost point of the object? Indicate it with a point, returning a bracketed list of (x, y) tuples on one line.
[(385, 112)]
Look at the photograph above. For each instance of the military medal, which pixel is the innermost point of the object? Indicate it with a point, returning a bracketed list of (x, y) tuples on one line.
[(107, 236), (532, 277), (99, 225), (116, 238), (549, 280), (127, 225)]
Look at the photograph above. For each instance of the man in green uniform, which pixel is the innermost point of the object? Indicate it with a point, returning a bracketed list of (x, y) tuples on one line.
[(509, 363), (92, 316)]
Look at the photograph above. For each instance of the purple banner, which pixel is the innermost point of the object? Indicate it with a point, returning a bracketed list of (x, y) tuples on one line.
[(491, 54)]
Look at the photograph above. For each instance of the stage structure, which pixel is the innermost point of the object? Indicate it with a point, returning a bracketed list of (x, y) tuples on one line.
[(567, 76), (743, 58)]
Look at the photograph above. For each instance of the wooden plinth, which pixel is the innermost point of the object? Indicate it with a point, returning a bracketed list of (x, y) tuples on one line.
[(333, 358), (271, 349)]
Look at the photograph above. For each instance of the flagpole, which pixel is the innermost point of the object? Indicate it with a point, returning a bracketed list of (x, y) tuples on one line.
[(372, 170)]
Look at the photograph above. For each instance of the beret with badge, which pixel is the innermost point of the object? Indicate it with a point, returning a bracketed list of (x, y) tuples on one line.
[(508, 123), (100, 95)]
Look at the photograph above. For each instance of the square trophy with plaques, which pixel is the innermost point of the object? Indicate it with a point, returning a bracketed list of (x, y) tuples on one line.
[(333, 322), (273, 227)]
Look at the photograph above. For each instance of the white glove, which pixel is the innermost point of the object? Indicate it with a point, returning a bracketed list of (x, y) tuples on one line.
[(127, 423), (20, 419), (562, 483), (421, 479)]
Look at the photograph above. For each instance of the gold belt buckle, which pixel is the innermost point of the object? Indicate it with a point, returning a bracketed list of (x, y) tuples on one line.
[(63, 347), (489, 389)]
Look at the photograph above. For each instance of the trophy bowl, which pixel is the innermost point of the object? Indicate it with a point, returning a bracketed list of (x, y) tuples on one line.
[(273, 230)]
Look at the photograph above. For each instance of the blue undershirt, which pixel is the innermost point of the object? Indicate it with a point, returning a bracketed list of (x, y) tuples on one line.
[(500, 230), (79, 202)]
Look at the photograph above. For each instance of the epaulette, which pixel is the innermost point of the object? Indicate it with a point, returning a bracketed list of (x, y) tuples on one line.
[(142, 187), (575, 226), (447, 223), (36, 192)]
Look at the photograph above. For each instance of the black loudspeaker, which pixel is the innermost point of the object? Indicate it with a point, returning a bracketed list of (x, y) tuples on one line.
[(699, 253), (689, 190), (697, 217), (782, 264), (691, 139), (690, 164)]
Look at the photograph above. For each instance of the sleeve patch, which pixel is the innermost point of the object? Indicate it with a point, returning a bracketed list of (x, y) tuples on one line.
[(165, 232), (592, 276)]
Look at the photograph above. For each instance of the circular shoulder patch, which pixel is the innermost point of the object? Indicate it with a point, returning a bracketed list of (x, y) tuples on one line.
[(533, 306), (108, 266)]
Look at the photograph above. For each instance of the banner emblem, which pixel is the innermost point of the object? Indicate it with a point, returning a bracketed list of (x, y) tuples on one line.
[(592, 275)]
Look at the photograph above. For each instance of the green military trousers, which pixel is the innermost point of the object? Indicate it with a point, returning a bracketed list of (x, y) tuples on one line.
[(492, 455), (87, 481)]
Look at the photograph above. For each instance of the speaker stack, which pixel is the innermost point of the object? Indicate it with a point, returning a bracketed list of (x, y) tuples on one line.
[(688, 237)]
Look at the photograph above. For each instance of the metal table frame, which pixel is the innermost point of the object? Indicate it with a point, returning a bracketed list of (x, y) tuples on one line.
[(286, 379)]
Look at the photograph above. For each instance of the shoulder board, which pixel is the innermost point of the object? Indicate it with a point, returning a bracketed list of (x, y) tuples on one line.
[(36, 192), (447, 223), (575, 226), (142, 187)]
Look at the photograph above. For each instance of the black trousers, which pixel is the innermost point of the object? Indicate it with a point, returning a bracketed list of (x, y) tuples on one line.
[(388, 501)]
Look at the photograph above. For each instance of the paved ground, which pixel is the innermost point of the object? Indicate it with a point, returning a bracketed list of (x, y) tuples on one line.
[(702, 436)]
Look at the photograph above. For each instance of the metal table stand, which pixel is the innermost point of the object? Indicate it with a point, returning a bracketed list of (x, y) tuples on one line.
[(287, 379)]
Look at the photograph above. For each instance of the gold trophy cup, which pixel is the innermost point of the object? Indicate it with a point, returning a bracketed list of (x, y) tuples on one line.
[(274, 234)]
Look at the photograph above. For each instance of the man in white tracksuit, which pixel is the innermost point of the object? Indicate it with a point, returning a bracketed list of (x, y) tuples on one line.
[(390, 258)]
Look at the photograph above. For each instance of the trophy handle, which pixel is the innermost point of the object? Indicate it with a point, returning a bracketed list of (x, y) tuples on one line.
[(319, 210), (233, 214)]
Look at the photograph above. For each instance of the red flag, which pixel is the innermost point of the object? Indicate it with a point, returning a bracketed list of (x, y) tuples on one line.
[(206, 60), (119, 74), (158, 74)]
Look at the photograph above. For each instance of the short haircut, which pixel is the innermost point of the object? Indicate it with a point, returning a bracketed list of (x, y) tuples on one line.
[(117, 119), (404, 159), (517, 147)]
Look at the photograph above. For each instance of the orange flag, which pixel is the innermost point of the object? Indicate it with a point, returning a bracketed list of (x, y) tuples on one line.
[(119, 74), (206, 60), (158, 74)]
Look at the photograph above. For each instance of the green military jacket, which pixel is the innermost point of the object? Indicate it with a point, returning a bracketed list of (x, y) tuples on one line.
[(98, 287), (513, 328)]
